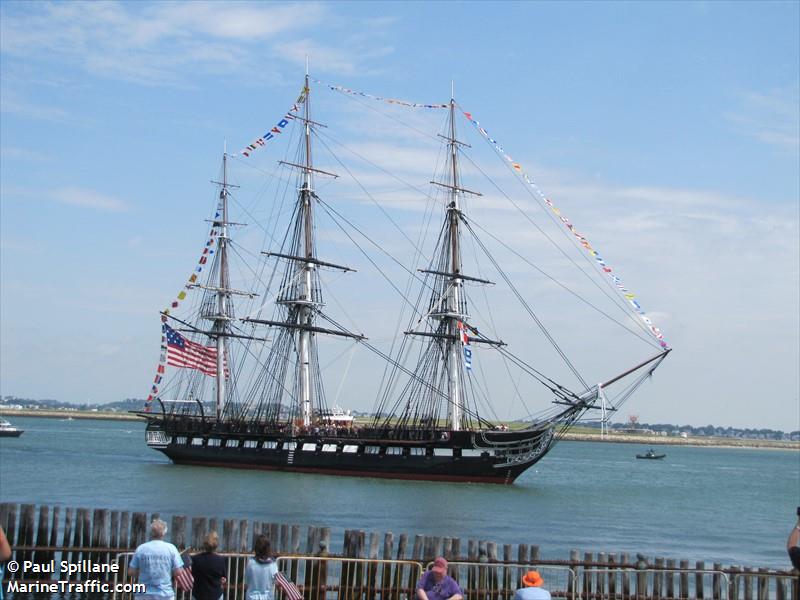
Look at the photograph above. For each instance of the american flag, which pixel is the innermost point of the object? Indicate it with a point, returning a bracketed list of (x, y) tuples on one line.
[(184, 580), (190, 355), (287, 587)]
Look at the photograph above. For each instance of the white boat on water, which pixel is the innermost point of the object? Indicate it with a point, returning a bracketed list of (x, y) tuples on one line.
[(8, 430)]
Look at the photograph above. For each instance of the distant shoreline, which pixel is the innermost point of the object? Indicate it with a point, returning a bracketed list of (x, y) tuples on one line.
[(67, 414), (700, 442), (647, 440)]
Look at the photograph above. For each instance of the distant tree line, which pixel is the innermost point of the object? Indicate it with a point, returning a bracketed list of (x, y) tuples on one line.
[(47, 404), (707, 431)]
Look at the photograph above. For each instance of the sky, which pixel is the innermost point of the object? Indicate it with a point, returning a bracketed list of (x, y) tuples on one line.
[(669, 132)]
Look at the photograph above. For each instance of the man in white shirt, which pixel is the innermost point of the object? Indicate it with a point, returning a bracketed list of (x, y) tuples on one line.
[(156, 562)]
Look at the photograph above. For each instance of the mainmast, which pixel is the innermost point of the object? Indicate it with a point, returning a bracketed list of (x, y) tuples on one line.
[(301, 292), (455, 351), (306, 308), (222, 318)]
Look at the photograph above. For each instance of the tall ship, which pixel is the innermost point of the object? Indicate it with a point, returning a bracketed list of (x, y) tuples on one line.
[(241, 381)]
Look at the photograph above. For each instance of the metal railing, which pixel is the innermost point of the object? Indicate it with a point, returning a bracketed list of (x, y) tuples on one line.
[(651, 584), (341, 578), (318, 578), (756, 585), (499, 581)]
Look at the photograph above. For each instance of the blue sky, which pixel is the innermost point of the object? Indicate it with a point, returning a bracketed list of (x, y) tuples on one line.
[(668, 132)]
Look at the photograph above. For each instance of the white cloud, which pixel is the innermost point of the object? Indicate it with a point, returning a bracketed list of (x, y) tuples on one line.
[(772, 117), (164, 42), (24, 154), (88, 199), (10, 103)]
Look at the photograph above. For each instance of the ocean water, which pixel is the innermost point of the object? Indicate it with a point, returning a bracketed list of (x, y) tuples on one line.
[(733, 506)]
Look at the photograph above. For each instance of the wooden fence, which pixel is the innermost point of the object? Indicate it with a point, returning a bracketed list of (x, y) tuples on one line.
[(42, 534)]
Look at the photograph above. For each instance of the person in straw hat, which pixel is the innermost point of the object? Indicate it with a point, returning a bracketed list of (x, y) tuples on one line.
[(532, 588)]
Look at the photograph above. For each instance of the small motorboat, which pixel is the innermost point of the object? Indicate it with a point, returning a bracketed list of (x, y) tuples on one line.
[(8, 430), (650, 454)]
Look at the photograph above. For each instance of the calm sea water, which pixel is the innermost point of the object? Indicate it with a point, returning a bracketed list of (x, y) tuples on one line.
[(733, 506)]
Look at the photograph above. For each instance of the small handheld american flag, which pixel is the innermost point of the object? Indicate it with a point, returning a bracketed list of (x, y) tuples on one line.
[(287, 587), (184, 580)]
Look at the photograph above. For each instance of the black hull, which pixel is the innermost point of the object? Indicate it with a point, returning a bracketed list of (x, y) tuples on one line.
[(13, 433), (483, 457)]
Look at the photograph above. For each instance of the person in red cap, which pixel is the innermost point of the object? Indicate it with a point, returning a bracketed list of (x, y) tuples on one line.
[(436, 584), (532, 588)]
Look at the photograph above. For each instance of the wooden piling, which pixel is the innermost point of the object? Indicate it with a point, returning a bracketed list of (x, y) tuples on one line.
[(42, 557), (138, 529), (124, 530), (26, 530), (386, 570), (244, 536), (178, 532), (199, 531), (574, 559), (684, 579), (399, 575), (763, 584), (100, 537), (716, 582), (748, 583), (699, 580), (626, 577), (658, 578), (670, 578), (612, 579)]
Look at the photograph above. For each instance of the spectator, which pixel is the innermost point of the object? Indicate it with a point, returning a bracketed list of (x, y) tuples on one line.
[(259, 575), (155, 563), (436, 584), (793, 543), (532, 588), (209, 570), (5, 554)]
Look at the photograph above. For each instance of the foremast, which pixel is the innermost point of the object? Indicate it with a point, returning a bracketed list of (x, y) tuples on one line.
[(448, 355)]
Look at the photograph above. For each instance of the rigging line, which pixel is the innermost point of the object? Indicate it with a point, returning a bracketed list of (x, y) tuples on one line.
[(344, 374), (371, 106), (412, 374), (271, 299), (526, 306), (255, 220), (564, 286), (553, 386), (329, 209), (370, 196), (273, 175), (480, 389), (613, 297), (495, 332)]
